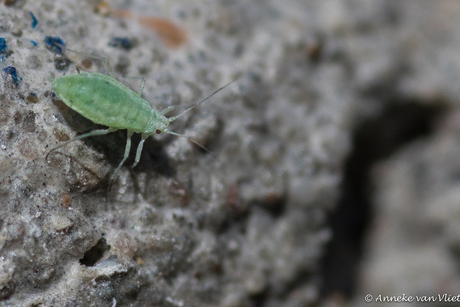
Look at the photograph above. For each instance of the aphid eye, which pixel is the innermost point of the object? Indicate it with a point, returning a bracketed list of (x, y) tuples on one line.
[(158, 131)]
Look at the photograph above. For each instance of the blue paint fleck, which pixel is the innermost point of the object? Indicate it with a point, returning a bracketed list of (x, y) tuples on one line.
[(3, 46), (34, 20), (55, 44), (121, 42), (34, 42), (33, 94), (13, 73)]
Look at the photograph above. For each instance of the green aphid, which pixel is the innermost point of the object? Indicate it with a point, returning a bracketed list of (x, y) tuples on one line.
[(108, 102)]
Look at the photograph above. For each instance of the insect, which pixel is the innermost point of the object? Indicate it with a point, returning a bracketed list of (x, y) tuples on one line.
[(106, 101)]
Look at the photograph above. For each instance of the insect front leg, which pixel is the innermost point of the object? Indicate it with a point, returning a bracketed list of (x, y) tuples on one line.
[(139, 149), (126, 155), (141, 87), (167, 110)]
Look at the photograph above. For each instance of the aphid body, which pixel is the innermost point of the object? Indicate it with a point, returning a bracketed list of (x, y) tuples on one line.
[(108, 102)]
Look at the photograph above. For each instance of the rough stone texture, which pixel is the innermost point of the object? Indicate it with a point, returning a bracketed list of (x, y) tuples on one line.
[(182, 228), (414, 244)]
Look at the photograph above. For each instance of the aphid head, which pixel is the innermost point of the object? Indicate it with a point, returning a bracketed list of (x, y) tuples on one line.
[(157, 124)]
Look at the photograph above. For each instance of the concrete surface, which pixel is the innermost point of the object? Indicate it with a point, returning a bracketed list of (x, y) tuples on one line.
[(183, 228)]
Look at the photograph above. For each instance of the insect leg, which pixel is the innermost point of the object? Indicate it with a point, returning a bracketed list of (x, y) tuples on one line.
[(141, 88), (92, 133), (139, 149), (104, 59), (127, 149), (167, 110)]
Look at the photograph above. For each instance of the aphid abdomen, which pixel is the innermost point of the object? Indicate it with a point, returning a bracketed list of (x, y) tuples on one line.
[(104, 100)]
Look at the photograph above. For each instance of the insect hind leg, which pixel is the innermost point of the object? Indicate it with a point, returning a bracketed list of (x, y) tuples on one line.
[(141, 87), (91, 133), (95, 56)]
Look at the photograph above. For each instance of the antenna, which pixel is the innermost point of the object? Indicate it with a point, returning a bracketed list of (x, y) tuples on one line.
[(198, 103), (193, 141)]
